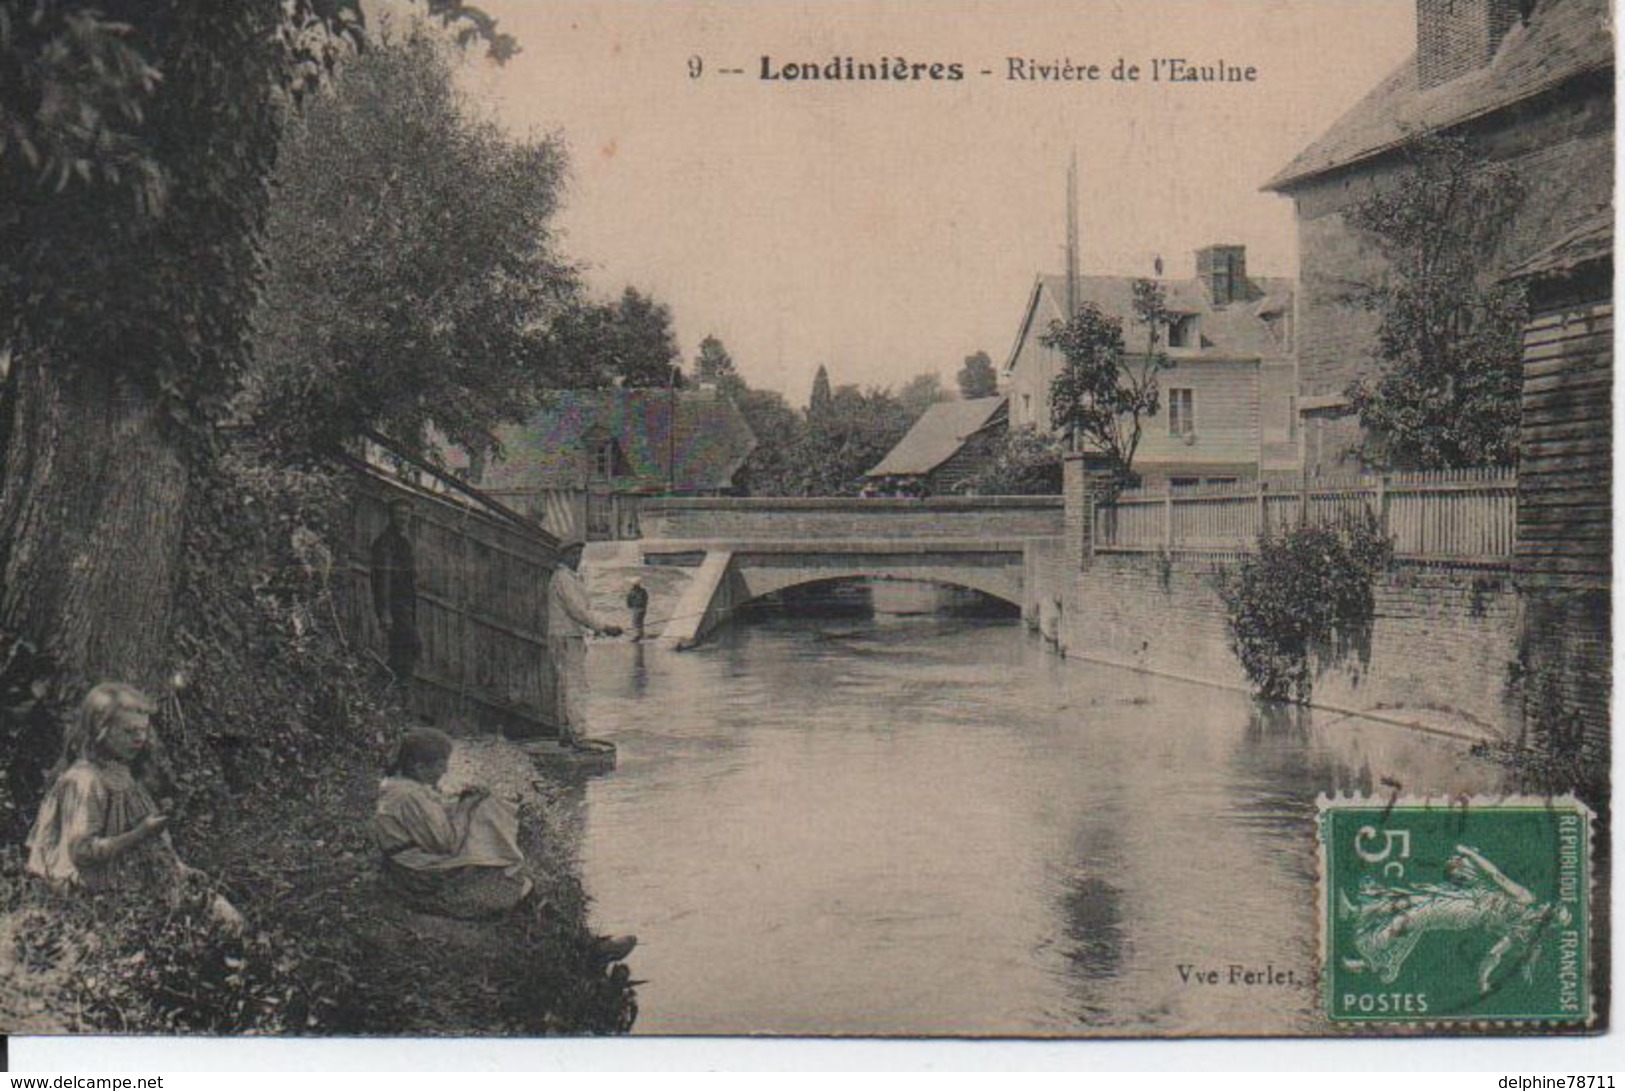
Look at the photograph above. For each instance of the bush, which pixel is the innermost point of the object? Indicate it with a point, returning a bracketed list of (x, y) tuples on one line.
[(32, 698), (121, 963), (1307, 591)]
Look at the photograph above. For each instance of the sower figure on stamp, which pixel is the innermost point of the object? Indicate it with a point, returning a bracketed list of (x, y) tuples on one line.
[(637, 602), (394, 592), (569, 620), (1476, 896)]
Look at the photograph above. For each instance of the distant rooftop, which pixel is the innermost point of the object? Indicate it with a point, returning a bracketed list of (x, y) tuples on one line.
[(1238, 330), (937, 436), (711, 442)]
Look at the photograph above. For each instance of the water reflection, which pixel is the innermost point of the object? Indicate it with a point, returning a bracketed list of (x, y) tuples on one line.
[(640, 670), (919, 825)]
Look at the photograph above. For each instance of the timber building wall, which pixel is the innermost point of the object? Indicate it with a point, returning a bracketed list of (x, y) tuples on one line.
[(1565, 534)]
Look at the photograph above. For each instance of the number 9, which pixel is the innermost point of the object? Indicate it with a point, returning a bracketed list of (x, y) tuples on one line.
[(695, 66)]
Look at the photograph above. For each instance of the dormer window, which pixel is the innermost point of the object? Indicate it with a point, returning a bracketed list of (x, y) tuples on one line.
[(605, 461), (1184, 331)]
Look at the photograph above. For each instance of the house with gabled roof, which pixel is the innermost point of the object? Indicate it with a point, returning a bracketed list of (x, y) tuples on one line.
[(1226, 404), (1528, 83), (580, 463), (950, 442)]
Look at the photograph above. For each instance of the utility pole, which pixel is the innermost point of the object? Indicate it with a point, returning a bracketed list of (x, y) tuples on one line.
[(671, 432), (1072, 262)]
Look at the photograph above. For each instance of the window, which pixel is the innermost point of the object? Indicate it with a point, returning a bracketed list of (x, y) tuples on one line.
[(1183, 332), (604, 459), (1026, 408), (1292, 418), (1181, 411), (1221, 482), (1184, 482)]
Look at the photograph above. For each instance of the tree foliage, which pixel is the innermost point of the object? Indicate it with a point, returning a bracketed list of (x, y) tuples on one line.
[(627, 340), (921, 393), (411, 266), (1020, 463), (821, 404), (1449, 338), (136, 143), (771, 469), (847, 438), (713, 364), (1102, 393), (976, 378)]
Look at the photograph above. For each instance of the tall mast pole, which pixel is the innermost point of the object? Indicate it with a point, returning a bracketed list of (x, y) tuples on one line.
[(1072, 261), (1072, 235)]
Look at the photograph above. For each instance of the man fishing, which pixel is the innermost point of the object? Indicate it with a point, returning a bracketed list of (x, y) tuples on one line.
[(569, 620), (637, 603)]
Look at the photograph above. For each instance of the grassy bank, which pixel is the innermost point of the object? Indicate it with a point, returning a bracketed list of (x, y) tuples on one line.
[(327, 951), (275, 725)]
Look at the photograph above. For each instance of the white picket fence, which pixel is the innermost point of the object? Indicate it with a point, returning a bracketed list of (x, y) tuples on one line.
[(1455, 515)]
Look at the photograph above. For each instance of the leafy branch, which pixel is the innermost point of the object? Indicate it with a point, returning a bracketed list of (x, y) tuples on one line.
[(1449, 337), (1103, 394)]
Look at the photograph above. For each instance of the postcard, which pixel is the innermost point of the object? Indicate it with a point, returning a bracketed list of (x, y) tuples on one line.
[(858, 519)]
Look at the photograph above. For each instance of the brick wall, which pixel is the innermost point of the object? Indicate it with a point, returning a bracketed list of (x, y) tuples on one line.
[(1456, 36), (1079, 513), (1045, 585), (1441, 649)]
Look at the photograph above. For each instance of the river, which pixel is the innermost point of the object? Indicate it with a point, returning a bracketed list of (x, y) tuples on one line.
[(934, 826)]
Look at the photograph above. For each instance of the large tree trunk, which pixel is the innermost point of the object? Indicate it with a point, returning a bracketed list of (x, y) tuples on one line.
[(91, 514)]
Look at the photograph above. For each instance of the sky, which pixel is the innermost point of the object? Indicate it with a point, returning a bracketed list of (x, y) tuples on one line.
[(885, 228)]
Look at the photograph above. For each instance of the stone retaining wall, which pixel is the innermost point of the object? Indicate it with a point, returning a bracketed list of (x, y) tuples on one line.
[(1443, 649)]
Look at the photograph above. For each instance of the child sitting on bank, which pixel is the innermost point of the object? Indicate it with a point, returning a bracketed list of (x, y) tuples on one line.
[(98, 827), (450, 857), (454, 856)]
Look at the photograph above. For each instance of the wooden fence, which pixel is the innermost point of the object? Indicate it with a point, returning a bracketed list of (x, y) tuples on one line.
[(481, 576), (1458, 515)]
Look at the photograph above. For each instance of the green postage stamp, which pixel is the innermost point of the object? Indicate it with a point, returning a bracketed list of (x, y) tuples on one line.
[(1471, 910)]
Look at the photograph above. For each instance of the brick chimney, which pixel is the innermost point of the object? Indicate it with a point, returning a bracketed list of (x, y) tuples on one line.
[(1222, 269), (1454, 37)]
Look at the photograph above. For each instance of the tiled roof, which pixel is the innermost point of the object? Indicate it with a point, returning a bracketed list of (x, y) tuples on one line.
[(937, 436), (549, 451), (1564, 38), (1234, 331)]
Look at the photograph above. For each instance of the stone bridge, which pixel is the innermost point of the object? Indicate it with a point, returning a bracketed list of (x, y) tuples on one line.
[(743, 549)]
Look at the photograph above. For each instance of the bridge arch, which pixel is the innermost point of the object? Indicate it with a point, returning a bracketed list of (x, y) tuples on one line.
[(756, 580), (733, 571)]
